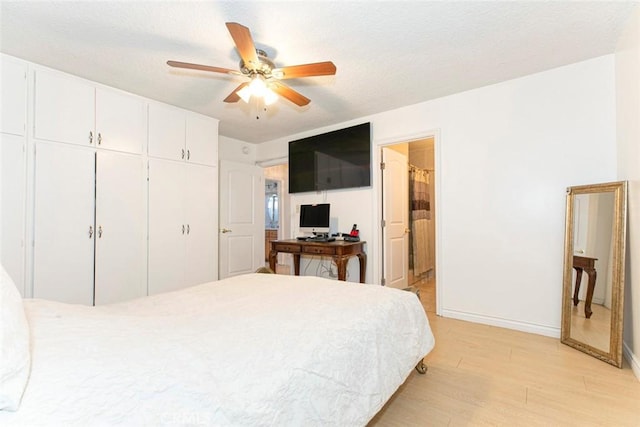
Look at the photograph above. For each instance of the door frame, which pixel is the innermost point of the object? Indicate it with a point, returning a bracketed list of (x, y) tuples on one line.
[(377, 206)]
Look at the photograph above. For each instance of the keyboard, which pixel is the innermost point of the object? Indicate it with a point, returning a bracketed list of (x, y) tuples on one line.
[(322, 239)]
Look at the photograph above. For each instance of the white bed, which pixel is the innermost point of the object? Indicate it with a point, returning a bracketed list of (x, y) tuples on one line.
[(252, 350)]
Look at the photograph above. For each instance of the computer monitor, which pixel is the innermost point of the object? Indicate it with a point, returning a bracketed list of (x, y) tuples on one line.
[(314, 218)]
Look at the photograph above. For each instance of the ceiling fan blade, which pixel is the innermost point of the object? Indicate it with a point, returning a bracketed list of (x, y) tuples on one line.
[(233, 96), (188, 65), (326, 68), (244, 43), (288, 93)]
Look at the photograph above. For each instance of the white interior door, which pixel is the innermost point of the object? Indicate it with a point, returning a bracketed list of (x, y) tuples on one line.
[(395, 213), (241, 218), (120, 228), (64, 223), (167, 227)]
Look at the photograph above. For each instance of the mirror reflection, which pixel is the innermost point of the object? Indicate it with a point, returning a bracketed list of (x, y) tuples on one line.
[(594, 258)]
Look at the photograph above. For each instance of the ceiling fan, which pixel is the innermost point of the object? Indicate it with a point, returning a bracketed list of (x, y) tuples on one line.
[(265, 77)]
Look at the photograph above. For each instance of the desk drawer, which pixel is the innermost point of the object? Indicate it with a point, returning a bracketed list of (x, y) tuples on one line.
[(322, 250), (284, 247)]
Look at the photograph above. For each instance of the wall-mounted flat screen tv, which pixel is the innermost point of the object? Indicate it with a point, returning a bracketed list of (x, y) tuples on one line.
[(332, 160)]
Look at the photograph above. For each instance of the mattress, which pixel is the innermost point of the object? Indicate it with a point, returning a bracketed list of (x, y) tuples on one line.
[(252, 350)]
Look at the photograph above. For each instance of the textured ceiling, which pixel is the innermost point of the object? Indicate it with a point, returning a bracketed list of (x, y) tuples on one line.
[(388, 54)]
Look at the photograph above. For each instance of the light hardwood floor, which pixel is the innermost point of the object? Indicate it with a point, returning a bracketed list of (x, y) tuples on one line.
[(487, 376)]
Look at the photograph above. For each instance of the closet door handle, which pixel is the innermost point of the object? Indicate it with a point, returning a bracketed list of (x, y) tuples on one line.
[(188, 228), (182, 228), (183, 153), (90, 231), (99, 232), (99, 138), (90, 137), (188, 154)]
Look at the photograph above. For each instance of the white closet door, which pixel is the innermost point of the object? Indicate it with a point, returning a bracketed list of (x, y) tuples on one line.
[(201, 216), (120, 228), (64, 108), (167, 228), (166, 132), (120, 121), (202, 140), (12, 207), (64, 223)]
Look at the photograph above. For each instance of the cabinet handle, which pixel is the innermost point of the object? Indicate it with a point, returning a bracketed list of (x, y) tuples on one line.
[(182, 228), (183, 153), (90, 137), (188, 154), (188, 228), (90, 231), (99, 232), (99, 138)]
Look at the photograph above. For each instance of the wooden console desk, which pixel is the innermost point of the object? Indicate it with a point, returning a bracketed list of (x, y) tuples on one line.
[(587, 264), (339, 250)]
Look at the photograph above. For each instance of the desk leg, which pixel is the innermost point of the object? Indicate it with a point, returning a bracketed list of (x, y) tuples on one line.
[(273, 256), (362, 258), (341, 263), (296, 264), (590, 287), (577, 287)]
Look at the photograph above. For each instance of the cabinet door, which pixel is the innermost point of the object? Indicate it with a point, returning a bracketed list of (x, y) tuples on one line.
[(202, 140), (166, 132), (120, 121), (64, 109), (64, 223), (13, 97), (120, 228), (12, 211), (167, 228), (201, 216)]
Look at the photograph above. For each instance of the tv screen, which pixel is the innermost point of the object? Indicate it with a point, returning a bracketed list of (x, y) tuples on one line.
[(314, 218), (332, 160)]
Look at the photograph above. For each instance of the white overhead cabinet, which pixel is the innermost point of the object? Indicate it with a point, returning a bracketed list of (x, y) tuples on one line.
[(13, 122), (13, 96), (89, 211), (176, 134), (182, 225), (73, 111)]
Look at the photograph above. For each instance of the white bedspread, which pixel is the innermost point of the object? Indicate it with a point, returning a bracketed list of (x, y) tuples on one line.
[(252, 350)]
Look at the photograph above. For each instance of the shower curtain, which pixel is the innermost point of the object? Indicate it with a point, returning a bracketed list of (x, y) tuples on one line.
[(421, 258)]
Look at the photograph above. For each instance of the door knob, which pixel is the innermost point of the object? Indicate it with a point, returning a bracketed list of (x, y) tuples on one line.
[(407, 231), (225, 230)]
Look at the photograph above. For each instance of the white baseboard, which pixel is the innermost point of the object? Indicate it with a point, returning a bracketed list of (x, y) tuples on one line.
[(632, 359), (504, 323)]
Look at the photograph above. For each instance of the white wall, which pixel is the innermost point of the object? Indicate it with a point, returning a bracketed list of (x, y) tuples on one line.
[(628, 127), (236, 150), (505, 154)]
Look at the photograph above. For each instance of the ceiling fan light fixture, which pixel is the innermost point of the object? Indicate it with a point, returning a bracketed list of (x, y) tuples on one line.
[(269, 97), (258, 88), (245, 94)]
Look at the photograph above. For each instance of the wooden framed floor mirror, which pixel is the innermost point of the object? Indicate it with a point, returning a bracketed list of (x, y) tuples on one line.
[(594, 265)]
